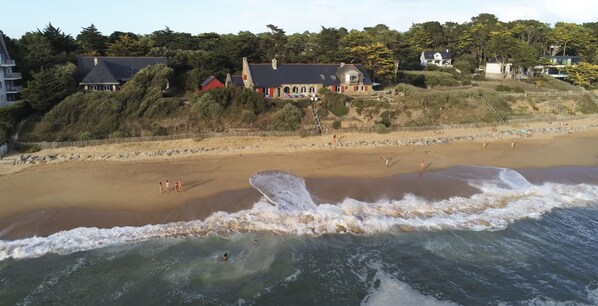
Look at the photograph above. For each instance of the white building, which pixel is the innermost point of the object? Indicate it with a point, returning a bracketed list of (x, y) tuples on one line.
[(8, 89), (438, 58), (496, 70)]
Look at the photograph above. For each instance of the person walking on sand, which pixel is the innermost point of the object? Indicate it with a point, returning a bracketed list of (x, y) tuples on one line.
[(485, 144), (161, 188), (176, 185), (181, 185), (513, 145), (167, 186), (422, 165), (386, 160)]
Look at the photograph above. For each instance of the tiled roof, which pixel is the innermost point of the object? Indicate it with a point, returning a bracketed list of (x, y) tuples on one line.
[(113, 70), (264, 75)]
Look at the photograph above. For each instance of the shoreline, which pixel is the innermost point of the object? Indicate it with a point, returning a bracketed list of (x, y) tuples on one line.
[(108, 193)]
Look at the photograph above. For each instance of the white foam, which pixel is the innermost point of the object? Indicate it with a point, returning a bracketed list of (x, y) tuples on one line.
[(387, 290), (504, 197)]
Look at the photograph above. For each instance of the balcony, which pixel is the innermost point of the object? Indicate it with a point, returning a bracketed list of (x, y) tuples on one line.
[(14, 89), (7, 63), (13, 76)]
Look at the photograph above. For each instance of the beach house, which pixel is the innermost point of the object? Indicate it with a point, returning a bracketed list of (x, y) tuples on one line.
[(438, 58), (279, 80), (9, 90), (556, 65), (109, 73), (211, 83)]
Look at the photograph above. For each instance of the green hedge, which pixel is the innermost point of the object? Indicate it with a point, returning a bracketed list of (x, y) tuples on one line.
[(11, 115)]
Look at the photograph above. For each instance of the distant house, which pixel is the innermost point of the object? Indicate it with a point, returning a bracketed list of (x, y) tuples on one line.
[(211, 83), (276, 80), (109, 73), (438, 58), (495, 70), (557, 63), (234, 81), (9, 91)]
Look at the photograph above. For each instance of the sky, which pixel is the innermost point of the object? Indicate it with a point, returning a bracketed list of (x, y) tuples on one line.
[(293, 16)]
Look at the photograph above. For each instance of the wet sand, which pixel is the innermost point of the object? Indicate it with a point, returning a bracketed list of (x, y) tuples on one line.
[(43, 199)]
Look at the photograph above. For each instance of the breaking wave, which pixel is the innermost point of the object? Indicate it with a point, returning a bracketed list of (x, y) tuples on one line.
[(287, 208)]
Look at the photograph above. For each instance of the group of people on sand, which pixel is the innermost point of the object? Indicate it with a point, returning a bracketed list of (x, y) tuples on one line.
[(178, 186)]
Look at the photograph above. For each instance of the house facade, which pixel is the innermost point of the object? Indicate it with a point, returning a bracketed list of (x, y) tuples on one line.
[(496, 70), (438, 58), (211, 83), (110, 73), (275, 80), (557, 63), (9, 90)]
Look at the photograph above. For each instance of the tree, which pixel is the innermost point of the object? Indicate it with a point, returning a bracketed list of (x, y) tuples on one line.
[(326, 47), (377, 58), (506, 49), (50, 86), (583, 74), (60, 42), (91, 41), (127, 46), (473, 40), (568, 33)]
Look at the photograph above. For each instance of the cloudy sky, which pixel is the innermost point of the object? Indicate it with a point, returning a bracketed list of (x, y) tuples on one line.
[(232, 16)]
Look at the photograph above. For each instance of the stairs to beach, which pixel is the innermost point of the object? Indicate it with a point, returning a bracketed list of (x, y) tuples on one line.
[(317, 123)]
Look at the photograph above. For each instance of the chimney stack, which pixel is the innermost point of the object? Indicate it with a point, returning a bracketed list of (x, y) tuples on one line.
[(274, 64)]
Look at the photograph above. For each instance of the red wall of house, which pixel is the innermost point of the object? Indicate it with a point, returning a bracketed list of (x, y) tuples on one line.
[(213, 84)]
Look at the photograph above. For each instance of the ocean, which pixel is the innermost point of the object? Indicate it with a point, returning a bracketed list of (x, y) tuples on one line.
[(459, 236)]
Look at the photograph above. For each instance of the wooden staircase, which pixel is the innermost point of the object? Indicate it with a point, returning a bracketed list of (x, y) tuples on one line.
[(314, 110), (495, 113)]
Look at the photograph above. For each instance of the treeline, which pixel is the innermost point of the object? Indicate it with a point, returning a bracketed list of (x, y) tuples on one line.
[(195, 57)]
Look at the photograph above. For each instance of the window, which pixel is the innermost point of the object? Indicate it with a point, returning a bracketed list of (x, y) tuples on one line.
[(312, 89), (295, 89), (286, 89), (303, 89), (339, 89)]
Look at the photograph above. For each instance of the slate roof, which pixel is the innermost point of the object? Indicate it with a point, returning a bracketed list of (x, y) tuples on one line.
[(113, 70), (444, 54), (263, 75), (208, 80), (237, 80)]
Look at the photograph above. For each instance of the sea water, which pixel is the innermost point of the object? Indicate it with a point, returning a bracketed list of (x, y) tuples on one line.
[(527, 237)]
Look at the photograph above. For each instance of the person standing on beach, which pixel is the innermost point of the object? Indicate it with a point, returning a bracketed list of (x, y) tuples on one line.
[(386, 160), (422, 165), (161, 188), (513, 145), (167, 186), (176, 185), (181, 185)]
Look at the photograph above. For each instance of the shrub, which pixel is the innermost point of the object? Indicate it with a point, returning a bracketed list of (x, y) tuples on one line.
[(11, 115), (85, 136), (336, 124), (119, 134), (381, 129), (247, 116), (335, 103), (286, 119)]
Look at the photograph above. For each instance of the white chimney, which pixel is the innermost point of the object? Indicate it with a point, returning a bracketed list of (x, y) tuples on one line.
[(274, 64)]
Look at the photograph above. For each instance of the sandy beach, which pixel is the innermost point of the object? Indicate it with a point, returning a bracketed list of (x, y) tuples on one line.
[(45, 198)]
